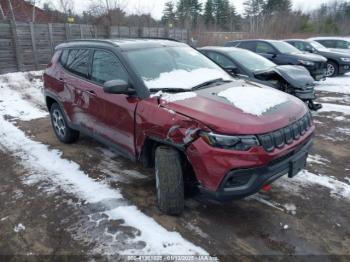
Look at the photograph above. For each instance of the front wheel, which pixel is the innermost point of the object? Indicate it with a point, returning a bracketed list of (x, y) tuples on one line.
[(169, 180), (332, 69)]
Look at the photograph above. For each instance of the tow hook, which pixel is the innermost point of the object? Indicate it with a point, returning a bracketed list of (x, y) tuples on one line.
[(266, 188)]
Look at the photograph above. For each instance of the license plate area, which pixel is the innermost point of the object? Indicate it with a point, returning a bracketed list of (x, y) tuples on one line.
[(297, 164)]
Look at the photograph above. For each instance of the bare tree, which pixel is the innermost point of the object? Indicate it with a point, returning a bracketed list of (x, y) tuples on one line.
[(2, 15)]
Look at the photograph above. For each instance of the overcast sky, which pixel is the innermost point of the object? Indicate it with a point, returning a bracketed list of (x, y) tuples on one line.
[(155, 7)]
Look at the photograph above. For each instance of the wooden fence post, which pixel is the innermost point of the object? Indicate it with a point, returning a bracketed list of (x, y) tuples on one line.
[(81, 31), (51, 38), (32, 36), (16, 45), (67, 30)]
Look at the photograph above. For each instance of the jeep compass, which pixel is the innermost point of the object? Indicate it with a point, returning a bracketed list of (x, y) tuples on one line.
[(167, 105)]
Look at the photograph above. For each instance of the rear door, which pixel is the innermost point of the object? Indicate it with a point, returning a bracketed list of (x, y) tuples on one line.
[(117, 120), (87, 109)]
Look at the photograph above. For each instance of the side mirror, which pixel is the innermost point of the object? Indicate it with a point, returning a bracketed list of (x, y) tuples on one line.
[(117, 87), (232, 69), (310, 50)]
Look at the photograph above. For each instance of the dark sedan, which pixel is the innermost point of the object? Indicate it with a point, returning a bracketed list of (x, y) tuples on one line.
[(338, 63), (283, 53), (295, 80)]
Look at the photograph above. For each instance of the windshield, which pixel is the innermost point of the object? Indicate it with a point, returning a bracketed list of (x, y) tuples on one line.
[(284, 47), (317, 45), (250, 60), (174, 67)]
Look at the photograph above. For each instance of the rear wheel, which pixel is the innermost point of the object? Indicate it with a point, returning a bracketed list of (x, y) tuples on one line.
[(332, 69), (59, 123), (169, 180)]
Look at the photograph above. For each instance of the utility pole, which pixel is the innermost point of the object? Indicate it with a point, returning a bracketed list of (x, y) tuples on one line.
[(11, 11)]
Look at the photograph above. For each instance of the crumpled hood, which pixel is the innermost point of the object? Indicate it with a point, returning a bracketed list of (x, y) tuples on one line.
[(297, 76), (310, 57), (224, 117)]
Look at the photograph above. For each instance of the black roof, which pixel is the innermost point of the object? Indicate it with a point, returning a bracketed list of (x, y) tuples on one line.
[(122, 43)]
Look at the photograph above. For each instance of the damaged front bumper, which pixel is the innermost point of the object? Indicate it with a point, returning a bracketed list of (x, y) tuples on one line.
[(240, 183)]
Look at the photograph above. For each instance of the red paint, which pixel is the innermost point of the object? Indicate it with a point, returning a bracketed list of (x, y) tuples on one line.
[(128, 121)]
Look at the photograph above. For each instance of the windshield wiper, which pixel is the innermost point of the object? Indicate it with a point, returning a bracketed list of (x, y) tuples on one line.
[(208, 83), (170, 89)]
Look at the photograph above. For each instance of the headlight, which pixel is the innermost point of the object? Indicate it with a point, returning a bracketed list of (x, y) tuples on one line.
[(307, 63), (241, 143), (345, 59)]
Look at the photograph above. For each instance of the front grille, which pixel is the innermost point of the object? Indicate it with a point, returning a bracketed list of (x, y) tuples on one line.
[(286, 135)]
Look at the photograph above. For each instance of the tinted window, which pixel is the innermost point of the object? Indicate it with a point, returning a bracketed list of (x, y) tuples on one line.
[(220, 59), (327, 43), (247, 45), (78, 61), (107, 67), (264, 48), (250, 60), (342, 44), (64, 56), (300, 45), (284, 47)]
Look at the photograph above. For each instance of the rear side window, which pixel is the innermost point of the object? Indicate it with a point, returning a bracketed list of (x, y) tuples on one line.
[(64, 57), (78, 62), (106, 67), (264, 48), (248, 45)]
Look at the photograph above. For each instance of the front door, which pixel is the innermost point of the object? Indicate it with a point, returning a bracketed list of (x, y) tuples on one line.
[(117, 122)]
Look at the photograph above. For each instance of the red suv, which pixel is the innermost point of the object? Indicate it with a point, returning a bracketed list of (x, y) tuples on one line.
[(165, 104)]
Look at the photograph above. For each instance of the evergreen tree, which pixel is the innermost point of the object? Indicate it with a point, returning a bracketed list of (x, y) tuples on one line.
[(188, 11), (277, 6), (169, 13), (222, 13), (209, 10)]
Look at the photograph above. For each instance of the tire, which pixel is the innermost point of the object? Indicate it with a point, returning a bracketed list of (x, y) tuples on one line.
[(59, 124), (169, 180), (332, 69)]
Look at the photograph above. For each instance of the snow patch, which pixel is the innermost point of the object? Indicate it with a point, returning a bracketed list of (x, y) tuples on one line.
[(167, 97), (326, 107), (254, 100), (290, 208), (338, 189), (19, 227), (185, 79), (47, 165), (317, 159)]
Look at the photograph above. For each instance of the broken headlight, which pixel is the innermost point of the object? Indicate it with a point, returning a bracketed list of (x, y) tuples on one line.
[(240, 143)]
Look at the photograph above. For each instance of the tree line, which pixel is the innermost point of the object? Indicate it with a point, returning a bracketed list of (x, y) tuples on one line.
[(265, 17)]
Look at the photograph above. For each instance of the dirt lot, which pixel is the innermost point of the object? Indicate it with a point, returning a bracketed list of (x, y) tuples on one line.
[(307, 215)]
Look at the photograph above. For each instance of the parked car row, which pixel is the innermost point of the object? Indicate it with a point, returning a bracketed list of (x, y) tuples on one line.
[(170, 107)]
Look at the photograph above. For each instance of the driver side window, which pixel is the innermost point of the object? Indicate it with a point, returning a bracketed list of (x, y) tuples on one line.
[(106, 67), (221, 60)]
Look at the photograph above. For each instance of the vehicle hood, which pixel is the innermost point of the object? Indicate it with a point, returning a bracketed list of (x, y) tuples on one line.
[(297, 76), (222, 116), (309, 57)]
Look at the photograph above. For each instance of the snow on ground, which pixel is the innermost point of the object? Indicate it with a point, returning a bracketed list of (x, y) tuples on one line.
[(337, 188), (185, 79), (252, 99), (13, 88), (317, 159), (49, 166), (326, 107), (334, 84)]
